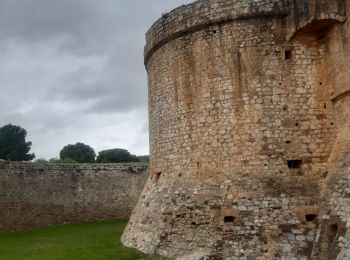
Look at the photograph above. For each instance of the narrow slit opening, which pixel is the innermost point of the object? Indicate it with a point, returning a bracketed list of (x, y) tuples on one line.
[(334, 232), (287, 54)]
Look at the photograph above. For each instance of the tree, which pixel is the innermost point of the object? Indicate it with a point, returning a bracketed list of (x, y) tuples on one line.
[(116, 156), (79, 152), (13, 145), (143, 158)]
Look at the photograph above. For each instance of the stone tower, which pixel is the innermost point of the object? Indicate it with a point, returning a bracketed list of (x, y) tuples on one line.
[(249, 132)]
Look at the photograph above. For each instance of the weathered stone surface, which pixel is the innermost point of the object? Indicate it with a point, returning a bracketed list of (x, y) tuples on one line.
[(34, 195), (249, 132)]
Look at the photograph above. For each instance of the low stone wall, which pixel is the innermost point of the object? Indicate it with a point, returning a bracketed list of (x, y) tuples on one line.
[(34, 195)]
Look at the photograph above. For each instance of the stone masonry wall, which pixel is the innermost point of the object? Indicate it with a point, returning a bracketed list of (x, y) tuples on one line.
[(248, 111), (34, 195), (334, 233)]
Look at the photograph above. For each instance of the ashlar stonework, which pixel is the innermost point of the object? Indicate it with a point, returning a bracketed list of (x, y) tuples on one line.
[(249, 106)]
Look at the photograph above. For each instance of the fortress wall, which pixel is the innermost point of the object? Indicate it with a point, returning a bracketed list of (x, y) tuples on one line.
[(229, 86), (231, 105), (201, 14), (335, 231), (338, 41), (34, 195), (334, 234), (304, 12), (249, 132)]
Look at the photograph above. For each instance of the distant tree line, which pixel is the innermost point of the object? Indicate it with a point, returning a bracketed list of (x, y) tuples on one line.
[(14, 147)]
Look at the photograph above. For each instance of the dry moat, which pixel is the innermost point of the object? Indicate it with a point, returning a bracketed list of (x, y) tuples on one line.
[(249, 108)]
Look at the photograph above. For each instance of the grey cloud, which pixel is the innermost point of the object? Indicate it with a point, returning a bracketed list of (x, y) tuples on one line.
[(72, 70), (42, 19)]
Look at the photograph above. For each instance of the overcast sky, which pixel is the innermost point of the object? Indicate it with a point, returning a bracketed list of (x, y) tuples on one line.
[(72, 71)]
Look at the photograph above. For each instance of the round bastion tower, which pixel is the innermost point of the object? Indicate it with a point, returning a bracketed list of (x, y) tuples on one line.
[(242, 128)]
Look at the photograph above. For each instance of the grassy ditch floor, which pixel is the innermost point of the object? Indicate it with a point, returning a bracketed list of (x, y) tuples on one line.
[(83, 241)]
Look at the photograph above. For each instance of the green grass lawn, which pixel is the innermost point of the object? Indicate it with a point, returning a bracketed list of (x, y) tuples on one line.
[(83, 241)]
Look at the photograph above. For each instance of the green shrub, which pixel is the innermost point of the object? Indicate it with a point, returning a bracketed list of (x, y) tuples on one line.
[(63, 161)]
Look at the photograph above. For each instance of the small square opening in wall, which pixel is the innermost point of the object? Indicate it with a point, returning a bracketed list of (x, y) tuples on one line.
[(310, 217), (294, 164), (334, 228), (229, 219)]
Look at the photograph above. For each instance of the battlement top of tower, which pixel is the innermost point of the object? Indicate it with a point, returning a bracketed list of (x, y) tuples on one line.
[(203, 13)]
